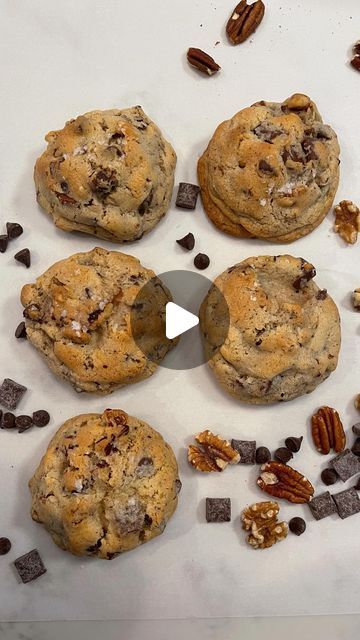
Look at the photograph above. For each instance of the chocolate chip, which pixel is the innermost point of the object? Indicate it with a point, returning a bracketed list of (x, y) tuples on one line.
[(218, 509), (265, 167), (24, 257), (8, 421), (347, 503), (346, 465), (293, 443), (187, 195), (247, 450), (30, 566), (263, 455), (309, 150), (5, 546), (40, 418), (11, 393), (23, 423), (4, 240), (356, 429), (14, 230), (187, 242), (64, 186), (94, 547), (297, 526), (322, 506), (356, 447), (147, 520), (146, 203), (201, 261), (329, 476), (321, 295), (282, 454), (20, 331), (93, 316), (104, 182)]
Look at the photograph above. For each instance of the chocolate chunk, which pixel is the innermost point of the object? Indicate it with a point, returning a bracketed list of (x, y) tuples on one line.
[(347, 503), (4, 240), (293, 443), (8, 421), (14, 230), (296, 153), (322, 506), (346, 465), (247, 450), (263, 455), (265, 167), (218, 509), (282, 454), (187, 242), (20, 331), (308, 273), (355, 62), (329, 476), (93, 316), (30, 566), (178, 486), (64, 186), (40, 418), (267, 132), (5, 546), (24, 257), (297, 526), (321, 295), (356, 429), (23, 423), (104, 182), (201, 261), (11, 393), (146, 203), (309, 150), (356, 447), (187, 195)]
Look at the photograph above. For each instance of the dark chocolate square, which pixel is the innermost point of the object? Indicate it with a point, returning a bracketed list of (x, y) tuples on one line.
[(346, 465), (218, 509), (11, 393), (322, 506), (187, 195), (247, 450), (30, 566), (347, 503)]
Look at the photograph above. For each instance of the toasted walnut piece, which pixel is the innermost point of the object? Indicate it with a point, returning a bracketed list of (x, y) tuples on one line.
[(116, 418), (260, 519), (297, 102), (214, 453), (281, 481), (328, 431), (356, 299), (347, 221), (203, 462)]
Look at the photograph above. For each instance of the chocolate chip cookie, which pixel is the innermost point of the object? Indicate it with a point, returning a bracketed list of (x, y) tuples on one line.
[(270, 172), (106, 484), (82, 314), (284, 335), (107, 173)]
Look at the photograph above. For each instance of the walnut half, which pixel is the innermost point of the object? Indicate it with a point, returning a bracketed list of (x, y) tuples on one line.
[(260, 519), (214, 453), (347, 221)]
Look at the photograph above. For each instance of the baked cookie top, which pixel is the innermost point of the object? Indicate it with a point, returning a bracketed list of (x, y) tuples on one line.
[(81, 313), (107, 173), (106, 484), (284, 334), (271, 171)]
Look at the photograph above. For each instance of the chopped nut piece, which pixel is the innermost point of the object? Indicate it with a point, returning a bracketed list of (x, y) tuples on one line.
[(347, 221), (281, 481), (214, 453), (260, 519), (356, 299), (328, 431)]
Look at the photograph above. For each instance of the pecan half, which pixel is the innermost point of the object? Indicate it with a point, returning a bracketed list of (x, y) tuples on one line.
[(347, 221), (244, 20), (260, 519), (214, 453), (281, 481), (202, 61), (328, 431)]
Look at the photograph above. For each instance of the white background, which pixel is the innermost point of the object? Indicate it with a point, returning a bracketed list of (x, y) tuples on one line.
[(60, 59)]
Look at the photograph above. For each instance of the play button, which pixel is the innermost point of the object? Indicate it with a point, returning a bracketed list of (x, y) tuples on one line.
[(178, 320), (166, 319)]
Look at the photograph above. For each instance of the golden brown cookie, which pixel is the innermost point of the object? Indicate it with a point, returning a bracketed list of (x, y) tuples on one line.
[(80, 314), (284, 335), (107, 173), (106, 484), (270, 172)]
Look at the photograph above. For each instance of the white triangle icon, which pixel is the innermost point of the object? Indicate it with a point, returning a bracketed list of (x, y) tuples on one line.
[(178, 320)]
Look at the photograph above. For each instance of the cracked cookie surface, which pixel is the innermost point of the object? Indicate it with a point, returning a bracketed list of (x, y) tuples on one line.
[(107, 173), (81, 315), (106, 484), (284, 335), (271, 171)]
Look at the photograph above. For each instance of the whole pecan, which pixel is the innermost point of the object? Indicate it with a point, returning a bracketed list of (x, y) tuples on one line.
[(214, 453), (202, 61), (244, 20), (281, 481), (328, 431)]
